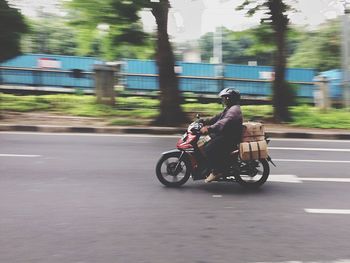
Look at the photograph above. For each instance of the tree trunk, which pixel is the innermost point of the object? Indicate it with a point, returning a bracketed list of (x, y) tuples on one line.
[(171, 113), (281, 92)]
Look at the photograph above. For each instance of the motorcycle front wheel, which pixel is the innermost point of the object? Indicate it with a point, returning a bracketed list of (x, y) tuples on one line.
[(173, 171), (253, 174)]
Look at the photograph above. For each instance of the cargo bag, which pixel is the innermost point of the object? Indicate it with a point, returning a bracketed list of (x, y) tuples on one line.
[(249, 151), (253, 131), (203, 140)]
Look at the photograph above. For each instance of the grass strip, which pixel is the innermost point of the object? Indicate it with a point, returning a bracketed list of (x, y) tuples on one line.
[(130, 110)]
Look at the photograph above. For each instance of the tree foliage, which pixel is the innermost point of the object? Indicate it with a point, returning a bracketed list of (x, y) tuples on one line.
[(110, 29), (319, 49), (50, 34), (12, 25), (238, 47), (123, 18)]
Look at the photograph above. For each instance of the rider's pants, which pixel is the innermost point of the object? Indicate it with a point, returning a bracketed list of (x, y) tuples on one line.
[(217, 151)]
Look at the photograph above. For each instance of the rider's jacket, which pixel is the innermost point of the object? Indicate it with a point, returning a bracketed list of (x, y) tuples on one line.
[(227, 123)]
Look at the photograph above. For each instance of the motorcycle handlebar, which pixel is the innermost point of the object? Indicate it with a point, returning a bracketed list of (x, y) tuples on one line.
[(195, 127)]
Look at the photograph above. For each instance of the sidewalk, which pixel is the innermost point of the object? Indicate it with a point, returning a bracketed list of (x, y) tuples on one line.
[(41, 122)]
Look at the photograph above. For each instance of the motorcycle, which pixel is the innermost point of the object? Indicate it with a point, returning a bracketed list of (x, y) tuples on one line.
[(176, 166)]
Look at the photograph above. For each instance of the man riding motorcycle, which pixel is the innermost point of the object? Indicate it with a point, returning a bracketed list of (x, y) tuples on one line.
[(225, 130)]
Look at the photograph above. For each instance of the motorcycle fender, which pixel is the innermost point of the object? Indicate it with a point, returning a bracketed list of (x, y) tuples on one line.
[(171, 151), (186, 155)]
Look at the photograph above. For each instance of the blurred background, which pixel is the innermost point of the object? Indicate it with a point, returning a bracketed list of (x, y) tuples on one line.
[(298, 62)]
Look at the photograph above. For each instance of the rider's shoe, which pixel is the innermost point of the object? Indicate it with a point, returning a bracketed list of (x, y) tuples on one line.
[(212, 177)]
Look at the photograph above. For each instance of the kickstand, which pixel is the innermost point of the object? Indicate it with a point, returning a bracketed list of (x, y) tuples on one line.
[(270, 160)]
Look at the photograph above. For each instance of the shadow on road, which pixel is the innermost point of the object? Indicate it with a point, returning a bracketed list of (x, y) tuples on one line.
[(233, 189)]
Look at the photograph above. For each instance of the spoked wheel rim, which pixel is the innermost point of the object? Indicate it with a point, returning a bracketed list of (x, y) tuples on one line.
[(172, 170), (253, 174)]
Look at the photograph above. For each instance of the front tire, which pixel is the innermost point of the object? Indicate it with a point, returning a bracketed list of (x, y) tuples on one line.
[(253, 174), (171, 171)]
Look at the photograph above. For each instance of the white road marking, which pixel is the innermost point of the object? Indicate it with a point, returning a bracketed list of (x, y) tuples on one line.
[(217, 196), (335, 180), (328, 211), (19, 155), (310, 161), (309, 149), (284, 178), (290, 178)]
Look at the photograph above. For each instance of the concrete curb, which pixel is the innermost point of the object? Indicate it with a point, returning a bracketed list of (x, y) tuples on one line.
[(89, 129), (329, 135)]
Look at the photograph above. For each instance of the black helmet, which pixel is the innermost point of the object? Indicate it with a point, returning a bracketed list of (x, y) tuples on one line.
[(233, 95)]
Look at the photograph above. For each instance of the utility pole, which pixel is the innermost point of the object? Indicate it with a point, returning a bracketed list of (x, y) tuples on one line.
[(217, 45), (346, 53), (217, 56)]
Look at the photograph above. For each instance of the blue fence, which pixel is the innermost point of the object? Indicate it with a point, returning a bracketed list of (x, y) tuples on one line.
[(54, 78), (142, 75), (49, 70), (211, 78)]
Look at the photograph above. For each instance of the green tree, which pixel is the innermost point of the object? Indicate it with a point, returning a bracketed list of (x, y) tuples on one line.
[(51, 35), (112, 48), (233, 47), (254, 44), (277, 18), (238, 47), (260, 47), (123, 17), (12, 25), (103, 32), (319, 49), (263, 43)]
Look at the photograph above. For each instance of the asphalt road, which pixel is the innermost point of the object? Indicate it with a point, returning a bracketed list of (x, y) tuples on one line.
[(95, 198)]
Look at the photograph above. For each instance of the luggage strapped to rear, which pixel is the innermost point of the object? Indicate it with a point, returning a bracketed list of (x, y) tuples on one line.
[(253, 145)]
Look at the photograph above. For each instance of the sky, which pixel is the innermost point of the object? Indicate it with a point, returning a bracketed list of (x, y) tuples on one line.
[(189, 19), (196, 17)]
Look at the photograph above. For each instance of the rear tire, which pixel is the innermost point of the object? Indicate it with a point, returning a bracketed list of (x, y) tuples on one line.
[(255, 175), (167, 173)]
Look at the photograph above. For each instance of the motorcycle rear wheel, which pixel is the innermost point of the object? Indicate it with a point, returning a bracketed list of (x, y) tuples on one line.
[(171, 171), (253, 174)]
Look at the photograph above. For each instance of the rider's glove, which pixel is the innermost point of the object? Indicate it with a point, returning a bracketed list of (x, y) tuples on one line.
[(204, 130)]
